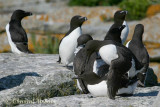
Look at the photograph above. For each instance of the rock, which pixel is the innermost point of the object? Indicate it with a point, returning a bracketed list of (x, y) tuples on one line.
[(153, 9), (151, 78), (56, 21), (157, 101), (153, 49), (143, 97), (33, 5), (37, 78), (156, 67), (56, 18), (33, 76), (151, 28)]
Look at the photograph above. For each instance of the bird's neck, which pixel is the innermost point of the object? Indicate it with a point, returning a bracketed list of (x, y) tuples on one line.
[(137, 37), (73, 27), (17, 22), (118, 22)]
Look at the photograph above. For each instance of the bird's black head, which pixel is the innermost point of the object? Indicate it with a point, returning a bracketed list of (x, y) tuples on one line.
[(117, 30), (83, 39), (138, 32), (20, 14), (119, 16), (115, 33), (77, 21)]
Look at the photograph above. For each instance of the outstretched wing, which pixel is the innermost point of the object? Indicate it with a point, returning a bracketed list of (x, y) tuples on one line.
[(112, 84), (117, 70)]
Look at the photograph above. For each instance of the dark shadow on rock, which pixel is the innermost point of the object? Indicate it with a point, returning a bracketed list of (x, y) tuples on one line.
[(69, 67), (153, 93), (14, 80)]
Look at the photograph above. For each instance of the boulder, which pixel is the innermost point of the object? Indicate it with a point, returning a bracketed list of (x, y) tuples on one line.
[(33, 76), (53, 23), (151, 78), (157, 101), (156, 67), (38, 80), (143, 97)]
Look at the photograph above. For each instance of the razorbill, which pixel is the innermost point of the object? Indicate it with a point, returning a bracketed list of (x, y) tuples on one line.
[(138, 49), (119, 60), (119, 20), (78, 60), (94, 75), (96, 65), (114, 34), (68, 43), (118, 57), (17, 36)]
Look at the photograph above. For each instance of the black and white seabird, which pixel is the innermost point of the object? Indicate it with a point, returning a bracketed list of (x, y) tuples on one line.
[(118, 58), (78, 60), (119, 61), (138, 49), (68, 43), (17, 36), (119, 20)]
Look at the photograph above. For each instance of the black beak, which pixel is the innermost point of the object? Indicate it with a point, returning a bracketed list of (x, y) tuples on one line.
[(29, 13), (126, 12), (85, 18)]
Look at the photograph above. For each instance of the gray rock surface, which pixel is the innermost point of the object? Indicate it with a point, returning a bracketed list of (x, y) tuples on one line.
[(143, 97), (157, 101), (33, 76), (34, 80)]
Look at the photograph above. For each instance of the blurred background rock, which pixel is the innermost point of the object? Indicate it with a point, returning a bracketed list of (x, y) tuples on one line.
[(50, 22)]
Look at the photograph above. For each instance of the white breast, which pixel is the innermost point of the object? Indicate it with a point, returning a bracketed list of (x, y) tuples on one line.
[(99, 89), (124, 33), (132, 70), (129, 90), (68, 46), (12, 45), (97, 64), (78, 49), (78, 85), (108, 53)]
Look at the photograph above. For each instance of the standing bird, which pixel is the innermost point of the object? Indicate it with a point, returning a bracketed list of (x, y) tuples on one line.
[(119, 20), (138, 49), (68, 43), (17, 36)]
